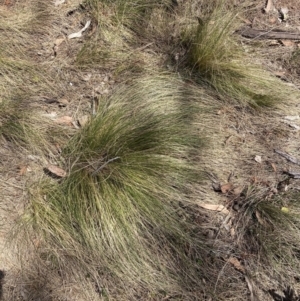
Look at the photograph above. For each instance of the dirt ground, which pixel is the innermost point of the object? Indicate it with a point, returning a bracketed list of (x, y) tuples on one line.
[(241, 151)]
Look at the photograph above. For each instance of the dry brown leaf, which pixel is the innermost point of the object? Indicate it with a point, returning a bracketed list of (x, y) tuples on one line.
[(57, 171), (246, 21), (238, 190), (225, 188), (279, 74), (288, 43), (83, 120), (58, 41), (213, 207), (63, 102), (273, 20), (274, 167), (269, 6), (259, 218), (237, 264), (64, 120), (23, 170)]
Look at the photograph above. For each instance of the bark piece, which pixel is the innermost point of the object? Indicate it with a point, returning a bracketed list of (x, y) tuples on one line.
[(252, 33)]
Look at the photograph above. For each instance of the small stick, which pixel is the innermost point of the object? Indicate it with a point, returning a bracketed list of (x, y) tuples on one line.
[(287, 156), (252, 33), (103, 165)]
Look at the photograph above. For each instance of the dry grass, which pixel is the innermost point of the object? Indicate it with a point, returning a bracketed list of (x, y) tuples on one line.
[(123, 223), (267, 231)]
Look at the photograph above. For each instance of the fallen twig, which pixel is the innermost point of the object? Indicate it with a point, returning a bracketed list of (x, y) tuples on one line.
[(293, 174), (252, 33), (103, 165), (287, 156)]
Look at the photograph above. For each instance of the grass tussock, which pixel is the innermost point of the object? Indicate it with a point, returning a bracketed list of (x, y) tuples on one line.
[(135, 36), (115, 215), (217, 60), (268, 228), (31, 132)]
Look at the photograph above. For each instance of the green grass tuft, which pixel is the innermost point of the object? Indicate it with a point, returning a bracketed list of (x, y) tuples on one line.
[(117, 209), (269, 232), (216, 59)]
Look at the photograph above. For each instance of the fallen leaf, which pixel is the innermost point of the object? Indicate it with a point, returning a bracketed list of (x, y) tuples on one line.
[(86, 77), (238, 190), (269, 6), (58, 41), (64, 120), (258, 159), (22, 170), (50, 115), (225, 188), (287, 43), (79, 33), (83, 120), (272, 20), (285, 209), (284, 13), (254, 180), (279, 74), (213, 207), (59, 2), (57, 171), (63, 102), (274, 167), (237, 264), (259, 218)]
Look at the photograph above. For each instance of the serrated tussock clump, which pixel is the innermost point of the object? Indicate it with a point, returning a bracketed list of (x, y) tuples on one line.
[(117, 209)]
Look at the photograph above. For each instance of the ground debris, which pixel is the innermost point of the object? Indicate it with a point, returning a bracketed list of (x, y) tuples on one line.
[(237, 264), (287, 156), (80, 32), (269, 6), (215, 207), (252, 33), (293, 174), (289, 295), (55, 171)]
